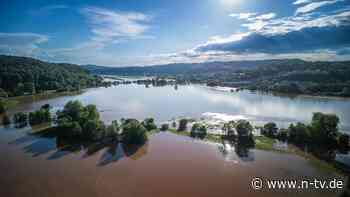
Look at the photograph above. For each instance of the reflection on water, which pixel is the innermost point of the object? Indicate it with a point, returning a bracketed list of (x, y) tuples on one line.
[(168, 165), (164, 103), (234, 151), (45, 141)]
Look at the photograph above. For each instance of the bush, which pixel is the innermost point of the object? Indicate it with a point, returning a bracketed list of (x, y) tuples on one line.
[(164, 127), (149, 124), (39, 116), (324, 128), (229, 128), (70, 129), (73, 109), (113, 129), (244, 128), (198, 130), (246, 141), (182, 125), (93, 130), (270, 130), (87, 117), (299, 134), (134, 133)]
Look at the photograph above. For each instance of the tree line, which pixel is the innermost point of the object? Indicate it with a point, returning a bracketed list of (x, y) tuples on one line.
[(27, 76), (79, 122), (82, 123)]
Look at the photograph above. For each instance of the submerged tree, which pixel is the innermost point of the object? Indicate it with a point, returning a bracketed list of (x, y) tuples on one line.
[(299, 134), (82, 121), (134, 132), (244, 128), (324, 128), (113, 129), (270, 129), (40, 116), (198, 130), (245, 135), (164, 127), (229, 128), (182, 125), (149, 124)]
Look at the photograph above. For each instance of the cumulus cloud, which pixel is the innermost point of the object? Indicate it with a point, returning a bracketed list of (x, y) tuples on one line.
[(298, 2), (270, 37), (315, 5), (307, 39), (288, 24), (25, 44)]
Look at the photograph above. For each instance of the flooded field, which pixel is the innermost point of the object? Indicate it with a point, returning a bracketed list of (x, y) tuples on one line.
[(168, 164)]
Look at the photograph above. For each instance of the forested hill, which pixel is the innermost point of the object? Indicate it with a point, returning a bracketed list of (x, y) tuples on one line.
[(285, 75), (23, 75), (182, 68)]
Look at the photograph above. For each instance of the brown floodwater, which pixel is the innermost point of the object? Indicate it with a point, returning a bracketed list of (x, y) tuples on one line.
[(168, 165)]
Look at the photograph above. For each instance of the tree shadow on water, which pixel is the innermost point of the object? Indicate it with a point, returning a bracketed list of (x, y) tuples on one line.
[(117, 151), (49, 139), (237, 148), (34, 145)]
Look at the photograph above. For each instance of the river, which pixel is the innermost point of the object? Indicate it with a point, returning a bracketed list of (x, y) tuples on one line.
[(168, 164)]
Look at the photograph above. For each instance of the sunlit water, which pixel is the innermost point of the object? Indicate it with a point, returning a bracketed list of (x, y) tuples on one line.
[(166, 103), (168, 165)]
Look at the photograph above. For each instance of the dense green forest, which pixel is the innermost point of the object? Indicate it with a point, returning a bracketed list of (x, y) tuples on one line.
[(284, 76), (23, 76), (299, 77)]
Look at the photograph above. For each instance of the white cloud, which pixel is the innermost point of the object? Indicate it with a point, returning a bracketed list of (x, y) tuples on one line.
[(298, 2), (287, 24), (266, 16), (218, 48), (113, 26), (231, 38), (107, 27), (314, 5), (243, 15), (24, 43), (251, 16)]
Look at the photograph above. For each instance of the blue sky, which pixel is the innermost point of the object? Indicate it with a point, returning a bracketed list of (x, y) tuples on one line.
[(136, 32)]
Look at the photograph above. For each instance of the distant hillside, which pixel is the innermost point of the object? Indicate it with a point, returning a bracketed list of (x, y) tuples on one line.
[(22, 75), (184, 68), (286, 76)]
